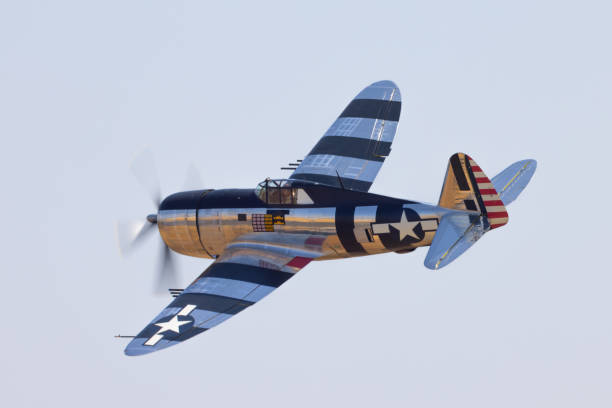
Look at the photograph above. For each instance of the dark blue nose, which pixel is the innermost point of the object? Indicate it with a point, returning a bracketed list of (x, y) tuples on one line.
[(181, 201)]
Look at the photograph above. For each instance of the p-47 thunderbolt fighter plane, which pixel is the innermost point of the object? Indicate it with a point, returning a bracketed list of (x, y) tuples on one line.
[(259, 238)]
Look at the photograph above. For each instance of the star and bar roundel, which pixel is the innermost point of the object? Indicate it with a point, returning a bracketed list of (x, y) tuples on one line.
[(170, 328), (397, 226)]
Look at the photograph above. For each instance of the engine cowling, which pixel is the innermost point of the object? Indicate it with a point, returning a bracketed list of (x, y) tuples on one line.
[(177, 221)]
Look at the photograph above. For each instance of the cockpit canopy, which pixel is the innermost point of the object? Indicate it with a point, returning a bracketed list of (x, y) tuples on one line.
[(282, 192)]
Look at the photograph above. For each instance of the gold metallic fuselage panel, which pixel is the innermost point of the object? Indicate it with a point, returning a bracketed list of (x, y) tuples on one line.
[(347, 231)]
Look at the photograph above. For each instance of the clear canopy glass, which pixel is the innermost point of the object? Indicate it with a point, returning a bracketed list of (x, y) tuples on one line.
[(282, 191)]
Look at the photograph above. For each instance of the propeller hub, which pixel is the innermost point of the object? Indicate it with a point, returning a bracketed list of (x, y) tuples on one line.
[(152, 218)]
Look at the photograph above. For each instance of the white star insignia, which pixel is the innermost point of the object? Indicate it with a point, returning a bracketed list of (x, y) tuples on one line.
[(405, 227), (173, 324)]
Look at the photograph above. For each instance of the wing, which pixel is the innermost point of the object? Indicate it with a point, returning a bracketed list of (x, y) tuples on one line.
[(248, 270), (355, 146)]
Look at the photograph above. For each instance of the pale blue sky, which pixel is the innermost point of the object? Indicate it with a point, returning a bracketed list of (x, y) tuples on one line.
[(242, 88)]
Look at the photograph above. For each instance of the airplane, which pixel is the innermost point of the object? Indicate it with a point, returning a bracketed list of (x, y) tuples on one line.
[(261, 237)]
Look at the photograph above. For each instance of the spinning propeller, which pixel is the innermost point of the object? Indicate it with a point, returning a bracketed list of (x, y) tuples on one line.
[(132, 233)]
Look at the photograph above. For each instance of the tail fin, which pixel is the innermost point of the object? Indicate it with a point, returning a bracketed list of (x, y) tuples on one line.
[(467, 188), (480, 208), (513, 180)]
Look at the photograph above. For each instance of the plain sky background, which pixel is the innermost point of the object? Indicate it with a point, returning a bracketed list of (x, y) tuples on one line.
[(242, 88)]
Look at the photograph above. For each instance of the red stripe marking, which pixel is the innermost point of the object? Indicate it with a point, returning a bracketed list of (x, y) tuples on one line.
[(482, 180), (476, 168), (493, 226), (299, 262), (314, 240), (487, 191), (493, 203), (499, 214)]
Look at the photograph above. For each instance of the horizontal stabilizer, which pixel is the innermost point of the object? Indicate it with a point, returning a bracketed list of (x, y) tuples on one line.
[(513, 180), (478, 205), (456, 233)]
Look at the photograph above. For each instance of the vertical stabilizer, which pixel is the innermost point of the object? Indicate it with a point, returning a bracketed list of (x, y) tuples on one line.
[(480, 208), (467, 188)]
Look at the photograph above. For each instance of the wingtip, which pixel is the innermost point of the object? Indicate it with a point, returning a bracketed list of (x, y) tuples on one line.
[(385, 89), (137, 348), (431, 265), (385, 83)]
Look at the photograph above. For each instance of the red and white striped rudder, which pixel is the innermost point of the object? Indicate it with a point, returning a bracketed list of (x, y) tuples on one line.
[(467, 188), (494, 208)]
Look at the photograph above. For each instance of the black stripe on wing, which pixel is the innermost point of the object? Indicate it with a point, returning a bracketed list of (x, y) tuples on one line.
[(359, 148), (212, 303), (152, 329), (348, 183), (247, 273), (373, 109)]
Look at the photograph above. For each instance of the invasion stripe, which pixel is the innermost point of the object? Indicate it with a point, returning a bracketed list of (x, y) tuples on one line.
[(345, 228), (362, 128), (247, 273), (213, 303), (366, 149), (373, 109), (348, 183), (348, 167), (223, 287)]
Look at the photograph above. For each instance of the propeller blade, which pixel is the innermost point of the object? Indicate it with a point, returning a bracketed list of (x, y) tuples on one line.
[(166, 275), (143, 167), (193, 180), (131, 234)]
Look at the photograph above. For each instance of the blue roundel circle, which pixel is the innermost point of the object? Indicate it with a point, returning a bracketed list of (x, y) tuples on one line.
[(401, 225)]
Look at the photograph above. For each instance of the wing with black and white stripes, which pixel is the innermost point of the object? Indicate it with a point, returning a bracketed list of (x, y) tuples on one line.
[(352, 151), (248, 270)]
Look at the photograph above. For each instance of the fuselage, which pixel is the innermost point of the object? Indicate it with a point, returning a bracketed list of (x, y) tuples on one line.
[(339, 223)]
